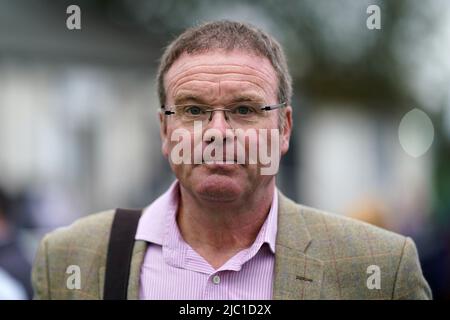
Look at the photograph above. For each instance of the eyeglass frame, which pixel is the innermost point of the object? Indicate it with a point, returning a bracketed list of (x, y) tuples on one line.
[(168, 112)]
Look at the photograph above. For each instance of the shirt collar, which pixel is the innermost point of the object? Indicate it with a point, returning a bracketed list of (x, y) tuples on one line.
[(152, 224), (158, 222)]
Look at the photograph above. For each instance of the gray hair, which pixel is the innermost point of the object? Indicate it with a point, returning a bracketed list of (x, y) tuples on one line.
[(228, 35)]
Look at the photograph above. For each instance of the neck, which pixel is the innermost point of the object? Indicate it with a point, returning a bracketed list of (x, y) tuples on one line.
[(223, 229)]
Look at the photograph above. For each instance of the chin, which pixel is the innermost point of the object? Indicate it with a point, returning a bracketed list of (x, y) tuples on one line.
[(220, 188)]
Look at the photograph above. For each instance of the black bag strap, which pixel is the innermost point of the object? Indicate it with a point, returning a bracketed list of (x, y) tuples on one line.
[(120, 249)]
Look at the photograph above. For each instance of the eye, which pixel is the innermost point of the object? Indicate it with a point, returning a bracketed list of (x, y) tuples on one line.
[(193, 110), (243, 110)]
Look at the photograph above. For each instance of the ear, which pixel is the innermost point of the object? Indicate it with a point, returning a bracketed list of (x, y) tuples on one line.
[(163, 134), (286, 131)]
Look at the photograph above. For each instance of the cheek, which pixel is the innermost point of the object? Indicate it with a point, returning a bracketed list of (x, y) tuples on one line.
[(165, 148), (178, 146)]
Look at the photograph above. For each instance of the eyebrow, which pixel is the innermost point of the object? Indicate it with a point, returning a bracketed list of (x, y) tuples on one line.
[(180, 99), (246, 98)]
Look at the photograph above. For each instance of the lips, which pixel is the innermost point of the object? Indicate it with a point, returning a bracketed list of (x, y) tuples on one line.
[(225, 162)]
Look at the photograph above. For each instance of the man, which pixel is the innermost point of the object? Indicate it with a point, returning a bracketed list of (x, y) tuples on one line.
[(223, 230)]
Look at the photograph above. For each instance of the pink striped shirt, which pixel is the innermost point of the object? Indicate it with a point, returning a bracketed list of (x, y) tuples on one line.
[(173, 270)]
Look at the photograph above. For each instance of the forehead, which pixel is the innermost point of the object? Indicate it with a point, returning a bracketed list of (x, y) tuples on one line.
[(221, 73)]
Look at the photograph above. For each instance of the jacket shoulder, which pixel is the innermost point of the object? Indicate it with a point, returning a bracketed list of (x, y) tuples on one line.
[(351, 231), (351, 249), (345, 232), (82, 246), (85, 232)]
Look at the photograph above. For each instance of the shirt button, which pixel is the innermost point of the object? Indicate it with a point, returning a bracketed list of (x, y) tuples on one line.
[(216, 279)]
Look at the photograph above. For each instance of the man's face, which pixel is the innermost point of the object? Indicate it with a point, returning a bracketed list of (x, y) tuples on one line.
[(219, 79)]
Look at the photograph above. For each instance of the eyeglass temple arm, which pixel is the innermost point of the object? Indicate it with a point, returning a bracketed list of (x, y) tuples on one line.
[(277, 106), (166, 112)]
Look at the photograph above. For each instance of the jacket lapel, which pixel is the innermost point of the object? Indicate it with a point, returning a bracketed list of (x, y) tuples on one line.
[(297, 275)]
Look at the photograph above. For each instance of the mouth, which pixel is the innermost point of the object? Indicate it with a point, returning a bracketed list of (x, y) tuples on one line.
[(221, 166), (220, 162)]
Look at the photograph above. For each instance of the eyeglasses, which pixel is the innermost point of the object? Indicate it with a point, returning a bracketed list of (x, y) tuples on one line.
[(237, 114)]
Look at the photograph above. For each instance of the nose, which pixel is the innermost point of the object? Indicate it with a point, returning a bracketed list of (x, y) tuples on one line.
[(219, 120)]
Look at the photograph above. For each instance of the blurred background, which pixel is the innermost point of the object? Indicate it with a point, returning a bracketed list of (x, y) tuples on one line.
[(79, 130)]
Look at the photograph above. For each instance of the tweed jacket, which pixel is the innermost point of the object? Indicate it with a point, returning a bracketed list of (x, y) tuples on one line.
[(318, 255)]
